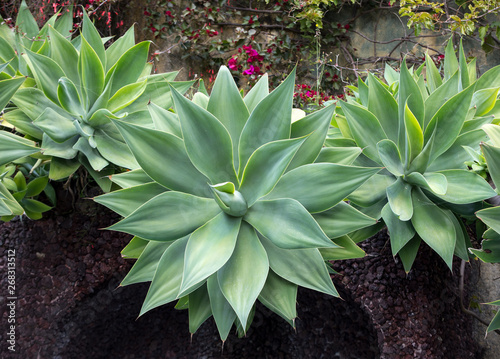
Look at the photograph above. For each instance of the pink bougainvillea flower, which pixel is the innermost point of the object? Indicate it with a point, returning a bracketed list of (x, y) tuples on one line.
[(232, 63)]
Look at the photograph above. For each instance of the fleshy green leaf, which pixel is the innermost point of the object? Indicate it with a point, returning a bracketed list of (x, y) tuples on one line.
[(287, 224), (58, 128), (47, 73), (126, 201), (165, 120), (348, 250), (390, 157), (257, 93), (144, 268), (492, 156), (490, 216), (242, 278), (8, 88), (131, 178), (342, 219), (434, 226), (400, 199), (384, 107), (414, 136), (119, 47), (168, 276), (222, 311), (13, 147), (409, 252), (91, 73), (271, 159), (465, 187), (228, 107), (269, 121), (400, 232), (168, 216), (280, 296), (69, 98), (90, 33), (175, 171), (339, 155), (372, 191), (64, 54), (434, 182), (208, 249), (207, 141), (320, 186), (134, 248), (304, 267), (365, 128), (198, 308)]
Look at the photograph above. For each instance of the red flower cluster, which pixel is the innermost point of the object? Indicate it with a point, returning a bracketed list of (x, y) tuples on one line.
[(304, 95)]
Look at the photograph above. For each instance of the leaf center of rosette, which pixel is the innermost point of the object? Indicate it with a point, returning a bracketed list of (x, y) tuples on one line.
[(229, 200)]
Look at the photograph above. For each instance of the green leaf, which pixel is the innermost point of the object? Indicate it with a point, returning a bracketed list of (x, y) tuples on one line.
[(320, 186), (287, 224), (208, 249), (390, 157), (341, 220), (62, 168), (58, 128), (401, 232), (484, 101), (114, 151), (168, 216), (414, 136), (257, 93), (270, 159), (492, 155), (69, 98), (22, 123), (434, 182), (207, 141), (34, 206), (168, 276), (13, 147), (304, 267), (269, 121), (199, 308), (33, 102), (242, 278), (348, 250), (495, 322), (47, 73), (90, 33), (129, 67), (126, 201), (126, 95), (315, 126), (366, 129), (280, 296), (490, 216), (465, 187), (448, 122), (384, 107), (8, 88), (409, 252), (339, 155), (91, 73), (390, 74), (409, 95), (131, 178), (433, 77), (165, 120), (64, 54), (64, 23), (222, 311), (62, 150), (144, 268), (400, 201), (450, 61), (135, 247), (442, 94), (93, 156), (372, 191), (175, 171), (36, 186), (26, 22), (228, 107), (493, 132), (489, 79), (434, 226), (119, 47)]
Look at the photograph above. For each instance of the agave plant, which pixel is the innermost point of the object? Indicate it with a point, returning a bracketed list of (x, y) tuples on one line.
[(222, 216), (80, 86), (416, 129)]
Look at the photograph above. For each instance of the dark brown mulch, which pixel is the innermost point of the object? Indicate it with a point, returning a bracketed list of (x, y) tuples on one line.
[(69, 306)]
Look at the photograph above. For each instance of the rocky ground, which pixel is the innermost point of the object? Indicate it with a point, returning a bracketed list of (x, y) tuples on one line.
[(69, 304)]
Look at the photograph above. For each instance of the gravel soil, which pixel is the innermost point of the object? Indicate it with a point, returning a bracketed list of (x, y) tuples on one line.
[(69, 303)]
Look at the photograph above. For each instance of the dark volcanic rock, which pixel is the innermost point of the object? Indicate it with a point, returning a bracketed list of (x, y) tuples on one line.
[(69, 304)]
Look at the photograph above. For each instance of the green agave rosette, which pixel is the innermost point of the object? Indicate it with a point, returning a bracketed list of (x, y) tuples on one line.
[(221, 207), (421, 131)]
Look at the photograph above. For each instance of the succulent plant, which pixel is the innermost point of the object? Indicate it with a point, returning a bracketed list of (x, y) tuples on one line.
[(222, 216), (416, 129)]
